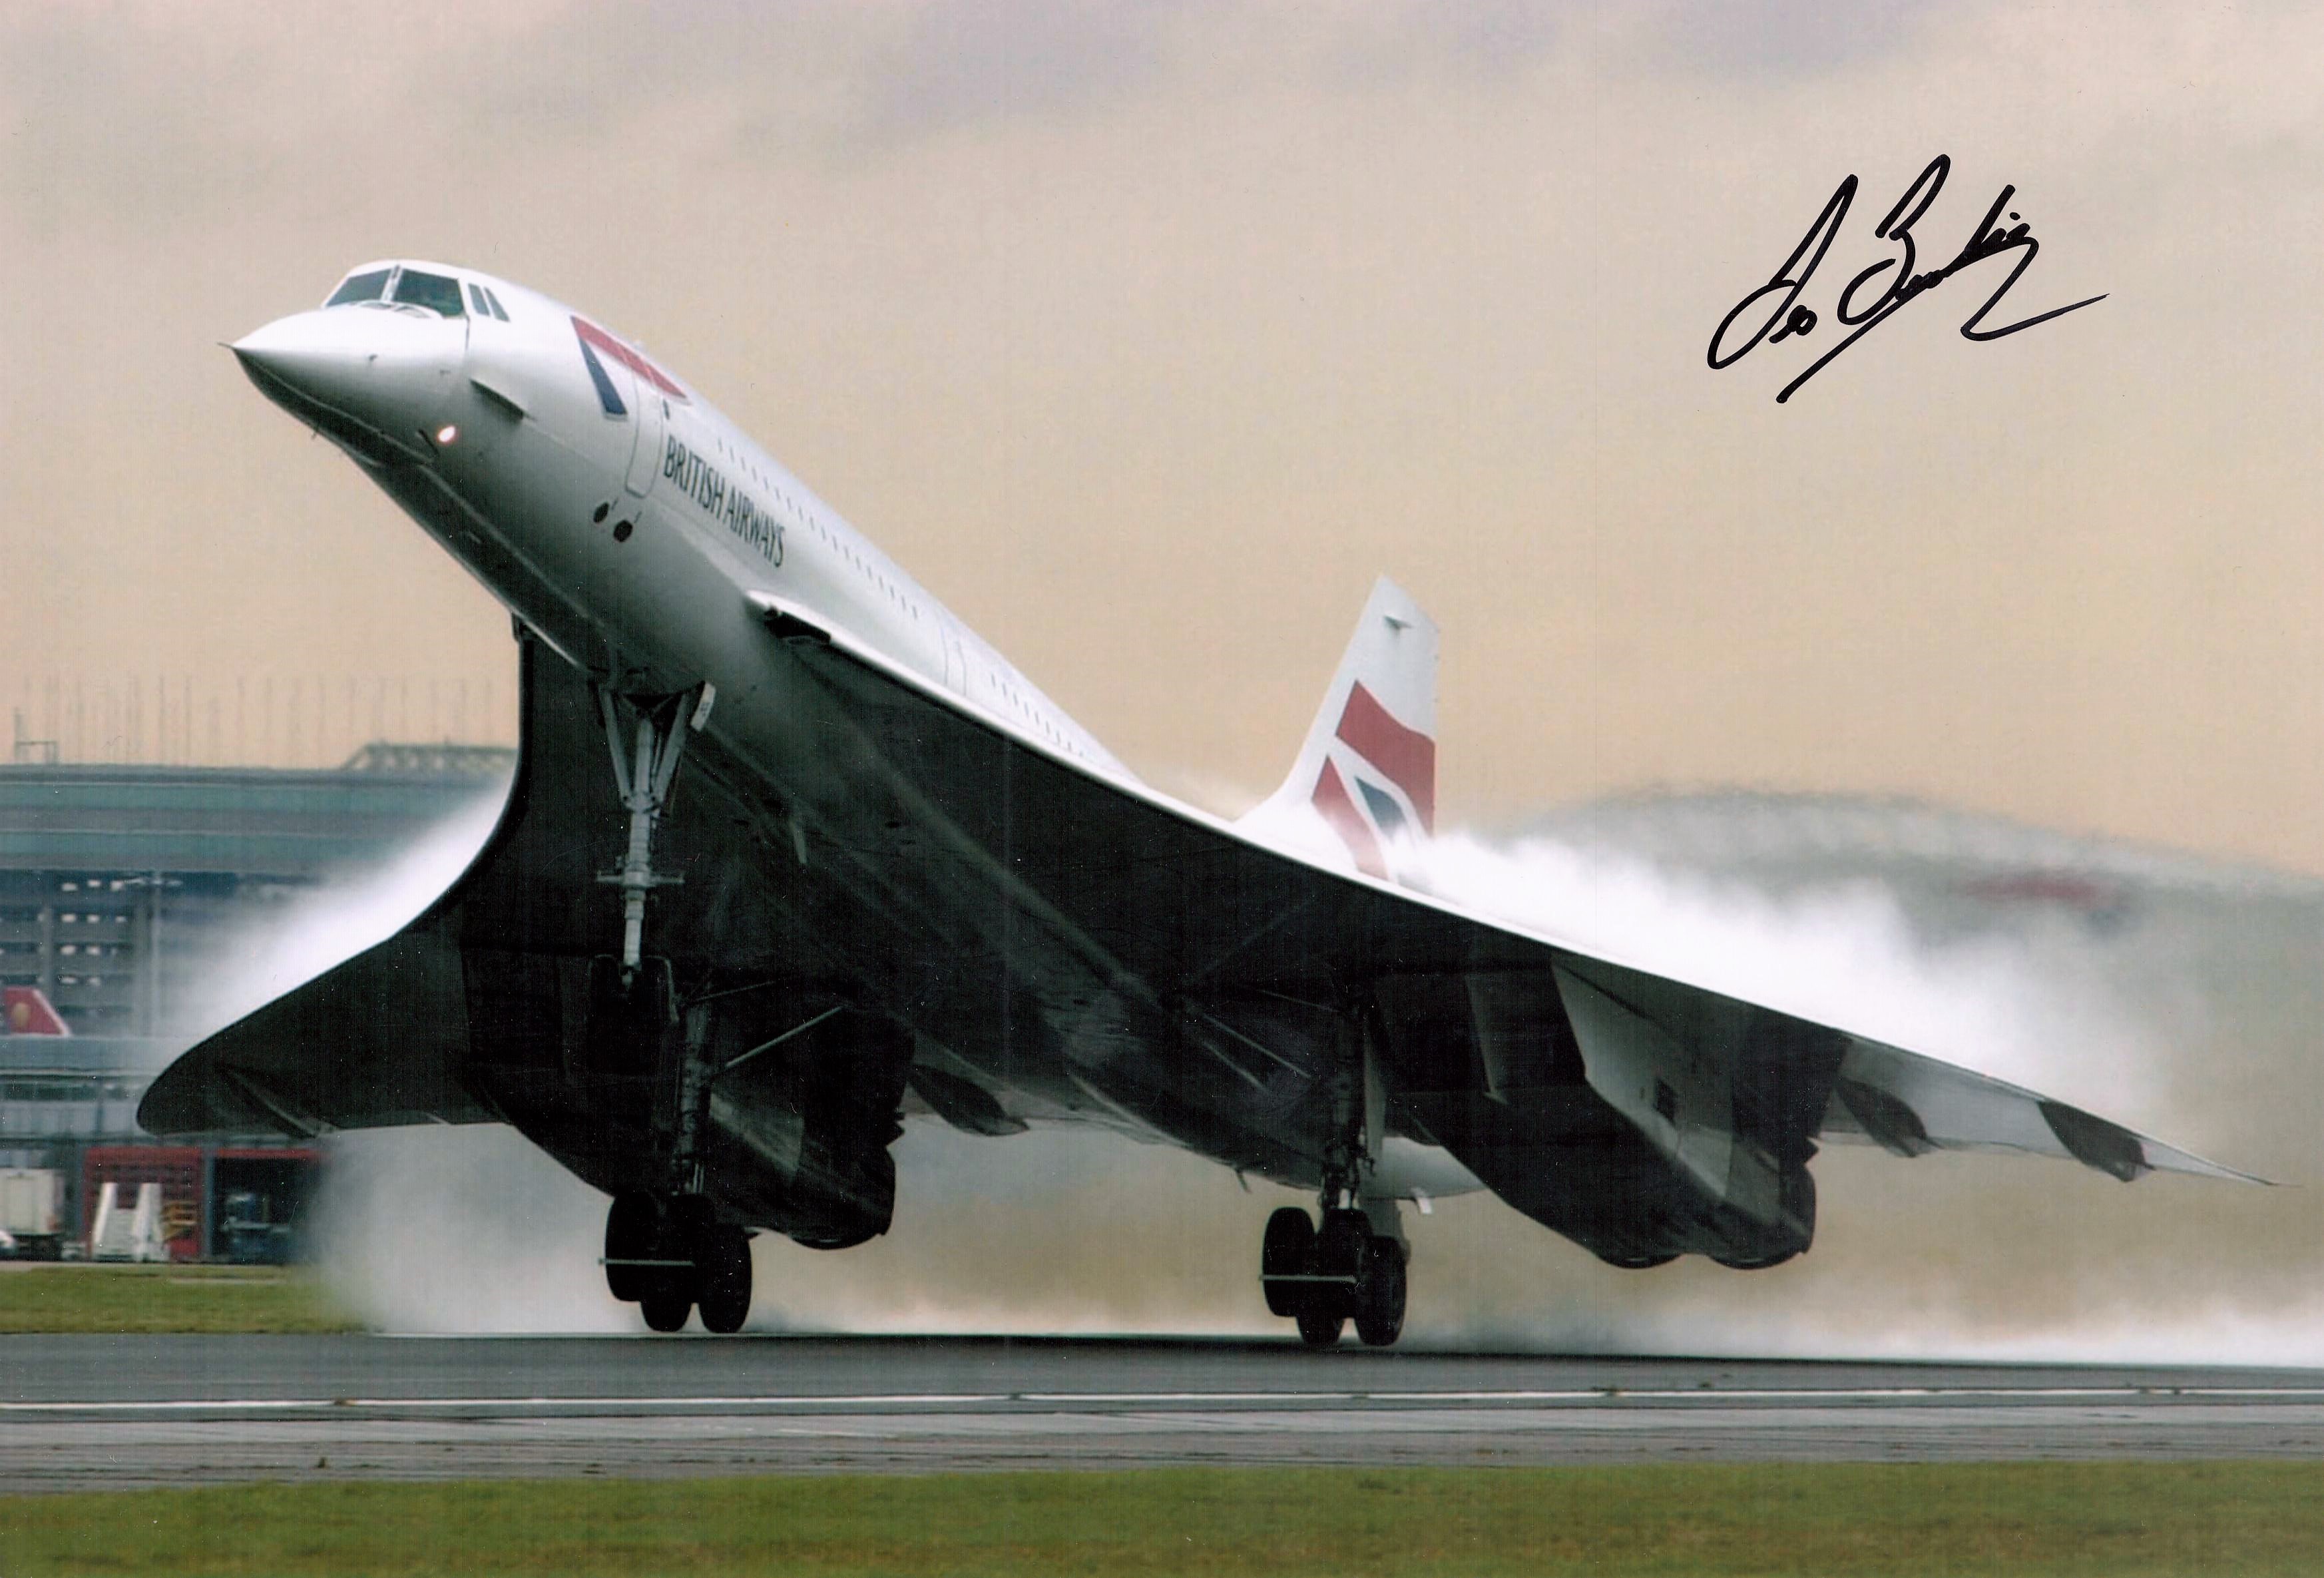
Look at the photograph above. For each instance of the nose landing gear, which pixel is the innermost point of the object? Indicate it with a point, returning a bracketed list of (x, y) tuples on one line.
[(643, 777), (667, 1253)]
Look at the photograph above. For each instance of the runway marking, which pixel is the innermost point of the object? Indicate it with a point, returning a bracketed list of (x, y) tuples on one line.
[(1864, 1393), (1191, 1397), (1598, 1396), (258, 1405)]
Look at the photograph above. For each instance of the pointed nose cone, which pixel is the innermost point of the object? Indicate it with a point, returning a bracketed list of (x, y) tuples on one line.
[(372, 379), (306, 358)]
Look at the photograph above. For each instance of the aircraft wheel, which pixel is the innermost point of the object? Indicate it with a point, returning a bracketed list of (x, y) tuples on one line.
[(632, 1223), (1379, 1295), (1320, 1327), (1340, 1251), (1288, 1250), (723, 1266), (665, 1311)]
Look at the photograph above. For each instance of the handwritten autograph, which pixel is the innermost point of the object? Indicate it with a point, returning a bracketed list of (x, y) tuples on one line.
[(1789, 318)]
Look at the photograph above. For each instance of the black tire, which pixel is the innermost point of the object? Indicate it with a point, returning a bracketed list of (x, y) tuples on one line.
[(1340, 1251), (722, 1268), (1287, 1250), (1320, 1328), (1379, 1296), (632, 1223), (665, 1312), (686, 1226)]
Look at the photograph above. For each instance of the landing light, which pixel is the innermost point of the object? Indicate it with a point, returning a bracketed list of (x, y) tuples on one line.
[(447, 433)]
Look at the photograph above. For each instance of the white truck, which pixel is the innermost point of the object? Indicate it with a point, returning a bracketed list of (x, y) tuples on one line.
[(32, 1202)]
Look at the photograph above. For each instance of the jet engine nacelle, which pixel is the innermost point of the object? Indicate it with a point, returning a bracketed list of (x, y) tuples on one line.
[(1728, 1094), (797, 1138)]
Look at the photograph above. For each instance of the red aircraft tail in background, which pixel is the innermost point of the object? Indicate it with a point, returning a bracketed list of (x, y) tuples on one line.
[(26, 1010)]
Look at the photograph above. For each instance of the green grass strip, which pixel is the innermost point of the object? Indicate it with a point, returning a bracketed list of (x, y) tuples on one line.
[(2106, 1521), (83, 1299)]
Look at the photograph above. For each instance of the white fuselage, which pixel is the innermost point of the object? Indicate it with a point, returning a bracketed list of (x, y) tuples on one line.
[(616, 512)]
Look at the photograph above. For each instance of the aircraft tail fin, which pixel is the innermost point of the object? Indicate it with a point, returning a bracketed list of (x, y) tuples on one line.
[(26, 1010), (1368, 769)]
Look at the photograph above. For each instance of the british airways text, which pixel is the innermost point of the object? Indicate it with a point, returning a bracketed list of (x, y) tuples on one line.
[(707, 485)]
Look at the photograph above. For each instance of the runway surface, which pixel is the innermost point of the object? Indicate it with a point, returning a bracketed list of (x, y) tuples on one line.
[(88, 1413)]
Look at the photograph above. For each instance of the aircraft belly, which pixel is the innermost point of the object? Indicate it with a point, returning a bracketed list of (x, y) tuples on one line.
[(817, 862), (530, 589), (1066, 957)]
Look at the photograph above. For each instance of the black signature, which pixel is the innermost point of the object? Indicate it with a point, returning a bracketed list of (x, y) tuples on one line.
[(1989, 240)]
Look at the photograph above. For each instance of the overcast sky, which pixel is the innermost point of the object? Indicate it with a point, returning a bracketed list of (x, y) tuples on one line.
[(1147, 335)]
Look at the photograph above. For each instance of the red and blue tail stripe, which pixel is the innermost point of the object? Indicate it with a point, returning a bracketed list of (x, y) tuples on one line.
[(595, 340), (1400, 758)]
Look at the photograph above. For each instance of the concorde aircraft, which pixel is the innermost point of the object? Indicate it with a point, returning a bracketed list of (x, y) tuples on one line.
[(791, 853)]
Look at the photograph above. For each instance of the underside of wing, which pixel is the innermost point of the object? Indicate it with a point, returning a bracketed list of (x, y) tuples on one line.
[(1909, 1105), (1010, 934), (1641, 1116), (378, 1041)]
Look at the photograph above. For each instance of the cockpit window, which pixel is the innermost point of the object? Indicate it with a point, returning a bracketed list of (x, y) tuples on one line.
[(363, 287), (437, 292), (476, 300), (493, 300)]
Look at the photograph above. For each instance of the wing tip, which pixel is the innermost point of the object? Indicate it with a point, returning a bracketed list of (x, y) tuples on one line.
[(2126, 1154), (2169, 1158)]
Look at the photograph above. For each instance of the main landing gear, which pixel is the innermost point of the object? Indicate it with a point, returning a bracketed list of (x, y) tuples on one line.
[(1322, 1279), (669, 1257), (1353, 1265)]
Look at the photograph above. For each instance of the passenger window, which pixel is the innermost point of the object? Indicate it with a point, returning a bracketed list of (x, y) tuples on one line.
[(366, 287), (436, 292)]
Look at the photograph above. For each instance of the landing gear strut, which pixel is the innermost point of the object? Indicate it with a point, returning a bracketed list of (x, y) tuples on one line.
[(667, 1253), (643, 775), (668, 1257)]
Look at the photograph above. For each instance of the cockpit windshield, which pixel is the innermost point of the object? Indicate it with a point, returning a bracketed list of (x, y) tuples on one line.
[(367, 286), (401, 287), (438, 292)]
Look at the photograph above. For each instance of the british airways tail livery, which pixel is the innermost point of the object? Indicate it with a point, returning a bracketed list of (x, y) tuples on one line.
[(1368, 770), (791, 854)]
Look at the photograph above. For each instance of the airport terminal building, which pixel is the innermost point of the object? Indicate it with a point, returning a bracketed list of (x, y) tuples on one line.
[(129, 897)]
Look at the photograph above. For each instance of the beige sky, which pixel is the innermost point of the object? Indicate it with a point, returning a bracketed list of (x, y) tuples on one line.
[(1147, 335)]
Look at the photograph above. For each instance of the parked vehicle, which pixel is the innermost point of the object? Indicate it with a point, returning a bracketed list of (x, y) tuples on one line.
[(31, 1202)]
